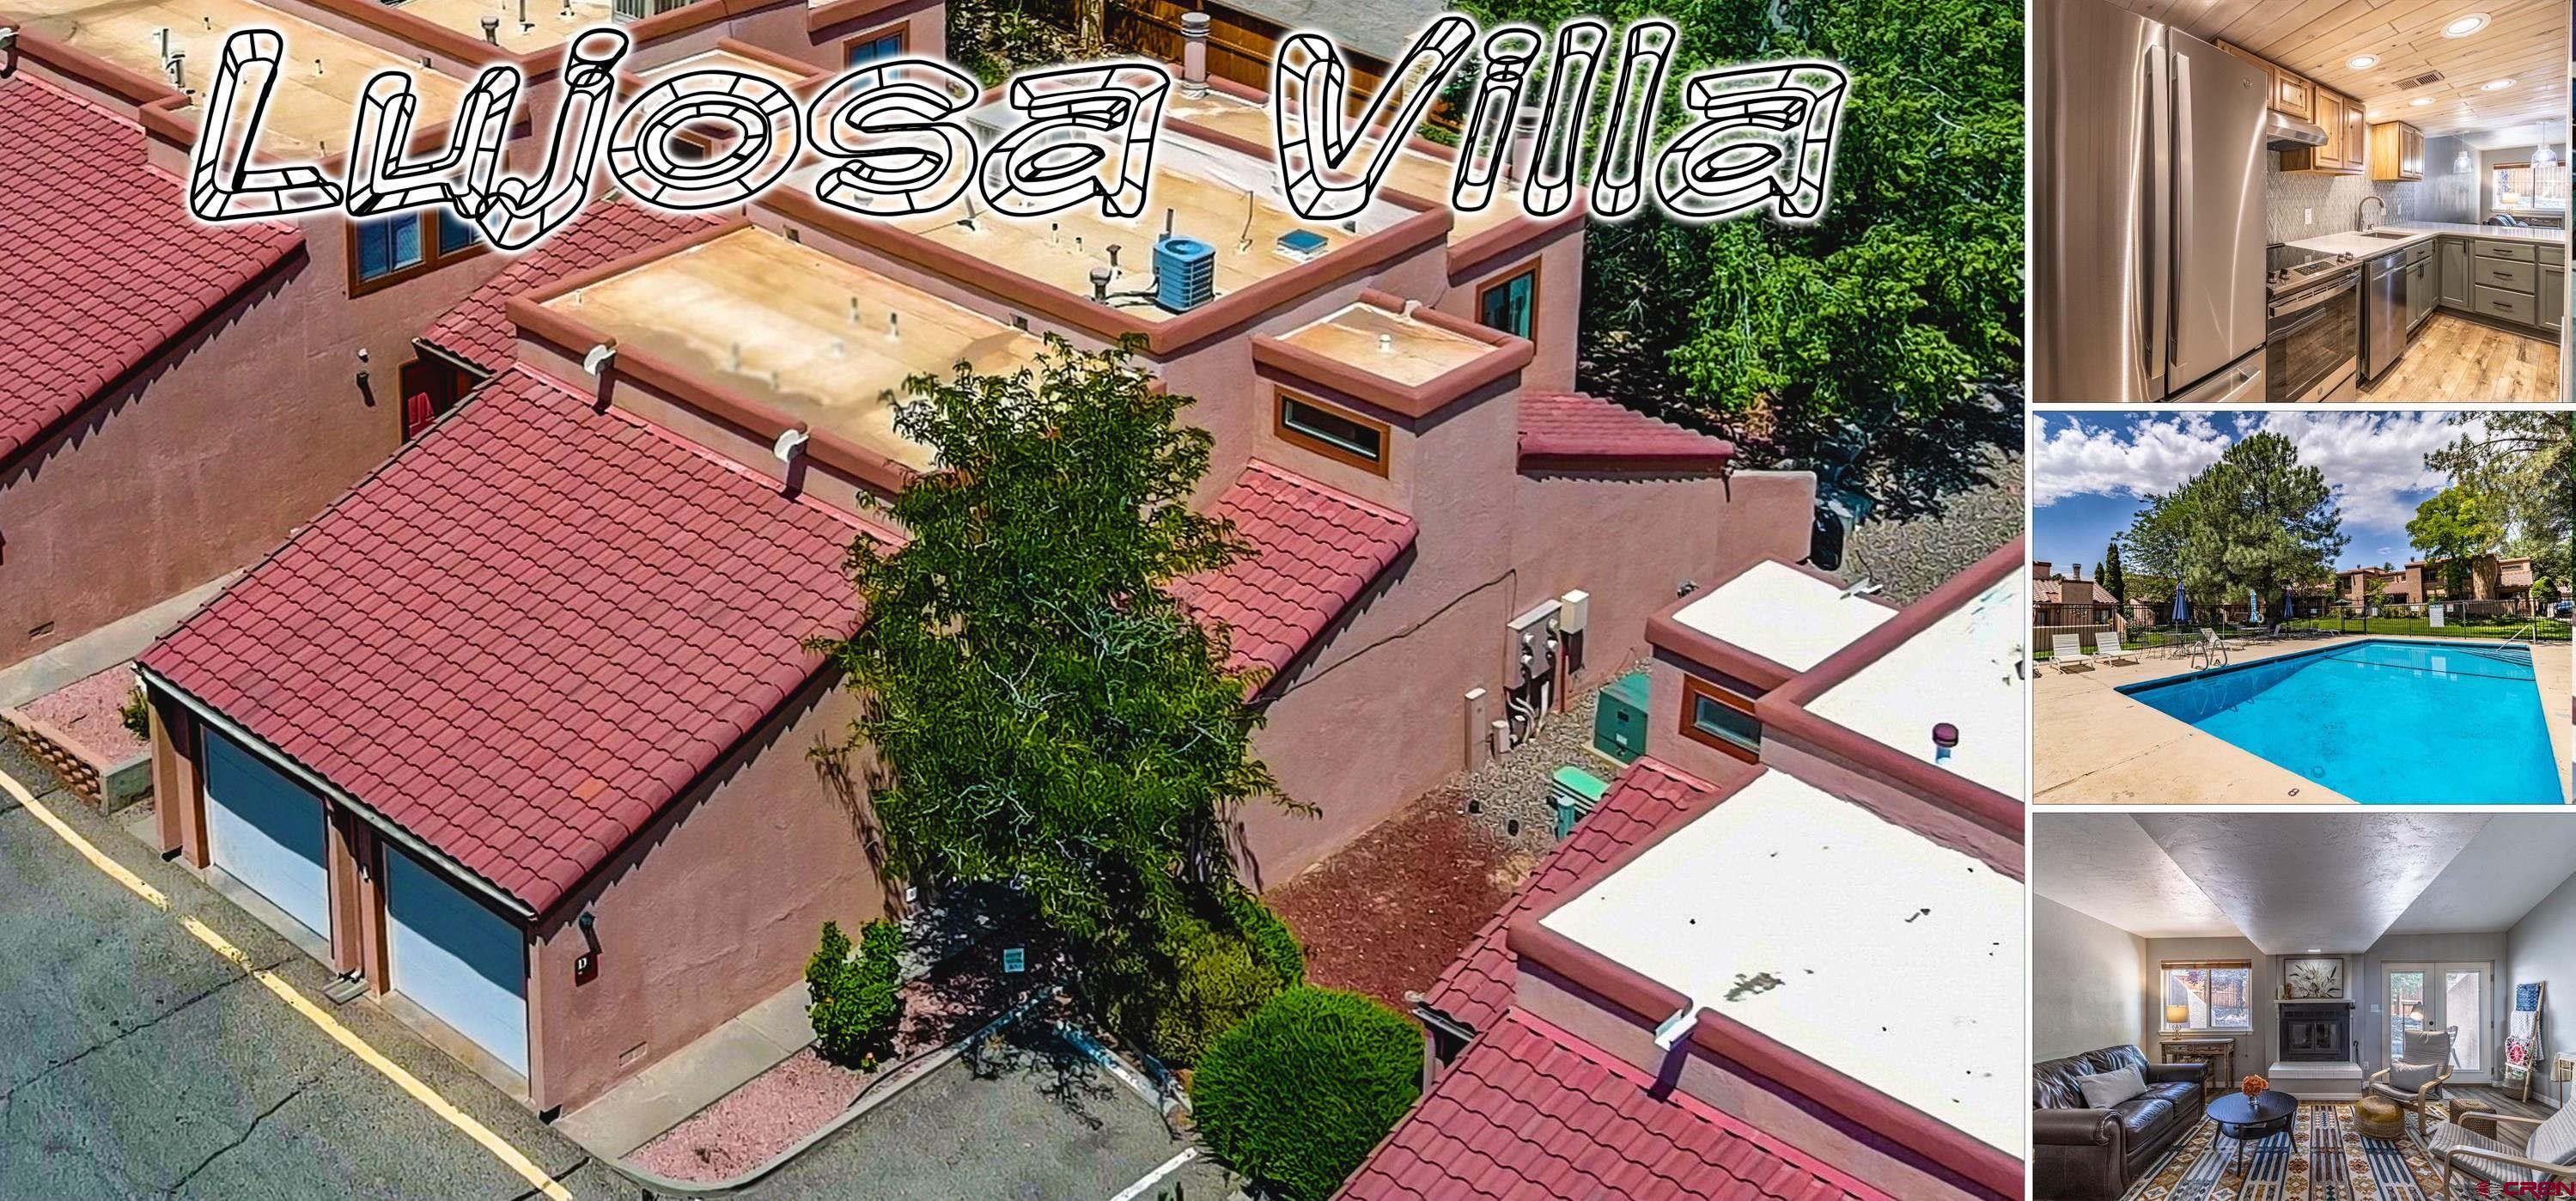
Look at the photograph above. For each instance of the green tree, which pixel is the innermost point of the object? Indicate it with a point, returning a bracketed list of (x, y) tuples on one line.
[(2114, 580), (1297, 1094), (2257, 518), (2455, 527), (2521, 468), (1052, 720), (1879, 346)]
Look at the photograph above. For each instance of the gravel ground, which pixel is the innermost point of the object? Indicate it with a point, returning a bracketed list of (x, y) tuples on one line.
[(1914, 557), (1384, 914), (88, 712), (1507, 798)]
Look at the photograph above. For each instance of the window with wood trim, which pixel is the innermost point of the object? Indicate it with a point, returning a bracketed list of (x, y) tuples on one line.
[(2216, 994), (1333, 433), (2522, 188), (389, 250), (1510, 304), (1722, 718), (872, 47)]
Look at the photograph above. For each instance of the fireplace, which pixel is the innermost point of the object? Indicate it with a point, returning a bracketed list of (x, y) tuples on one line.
[(2315, 1033)]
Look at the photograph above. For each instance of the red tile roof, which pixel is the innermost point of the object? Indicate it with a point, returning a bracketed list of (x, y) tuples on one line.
[(1529, 1111), (526, 633), (1316, 549), (1647, 798), (1573, 431), (478, 328), (103, 266)]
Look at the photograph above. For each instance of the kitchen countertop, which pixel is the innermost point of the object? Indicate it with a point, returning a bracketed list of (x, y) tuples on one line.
[(2367, 247)]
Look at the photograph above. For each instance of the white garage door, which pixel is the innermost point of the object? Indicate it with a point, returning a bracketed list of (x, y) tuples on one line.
[(460, 961), (266, 830)]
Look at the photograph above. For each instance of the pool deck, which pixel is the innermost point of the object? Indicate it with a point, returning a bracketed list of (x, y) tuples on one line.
[(2093, 746)]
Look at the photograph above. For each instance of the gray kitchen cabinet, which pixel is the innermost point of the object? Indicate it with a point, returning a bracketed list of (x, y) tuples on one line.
[(2553, 296), (2422, 278), (2455, 273)]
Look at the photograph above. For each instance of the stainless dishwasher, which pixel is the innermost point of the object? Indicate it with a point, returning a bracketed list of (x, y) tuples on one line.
[(2385, 314)]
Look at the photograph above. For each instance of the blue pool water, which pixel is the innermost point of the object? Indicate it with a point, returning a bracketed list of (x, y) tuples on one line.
[(2387, 722)]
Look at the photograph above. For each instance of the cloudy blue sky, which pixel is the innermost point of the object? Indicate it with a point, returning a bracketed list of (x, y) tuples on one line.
[(2091, 469)]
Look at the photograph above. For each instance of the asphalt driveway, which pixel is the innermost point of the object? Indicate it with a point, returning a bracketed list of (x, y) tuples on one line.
[(136, 1061)]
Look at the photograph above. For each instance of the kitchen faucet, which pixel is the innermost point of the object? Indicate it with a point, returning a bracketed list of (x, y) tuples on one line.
[(2360, 211)]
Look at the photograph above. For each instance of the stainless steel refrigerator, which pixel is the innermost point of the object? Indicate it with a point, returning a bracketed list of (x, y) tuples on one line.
[(2147, 176)]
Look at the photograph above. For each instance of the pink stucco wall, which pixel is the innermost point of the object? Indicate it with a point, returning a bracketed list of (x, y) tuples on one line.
[(1556, 320), (216, 450), (710, 911)]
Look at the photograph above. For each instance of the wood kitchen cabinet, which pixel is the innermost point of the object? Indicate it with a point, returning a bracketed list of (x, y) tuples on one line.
[(2346, 147), (2396, 152), (2291, 92)]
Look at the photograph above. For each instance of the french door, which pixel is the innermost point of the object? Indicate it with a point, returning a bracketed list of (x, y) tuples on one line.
[(2457, 997)]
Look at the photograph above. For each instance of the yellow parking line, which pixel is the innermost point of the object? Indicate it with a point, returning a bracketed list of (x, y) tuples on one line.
[(295, 999)]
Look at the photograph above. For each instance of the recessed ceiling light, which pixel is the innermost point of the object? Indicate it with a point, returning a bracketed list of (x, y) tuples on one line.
[(2499, 85), (2376, 116), (2364, 63), (2421, 101), (2465, 26), (2316, 950)]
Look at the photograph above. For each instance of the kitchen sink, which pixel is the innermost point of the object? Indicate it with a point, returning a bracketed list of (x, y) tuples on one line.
[(2382, 233)]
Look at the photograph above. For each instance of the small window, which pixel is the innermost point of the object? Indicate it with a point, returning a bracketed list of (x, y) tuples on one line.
[(1507, 305), (387, 251), (2210, 996), (1717, 717), (1332, 433), (860, 51)]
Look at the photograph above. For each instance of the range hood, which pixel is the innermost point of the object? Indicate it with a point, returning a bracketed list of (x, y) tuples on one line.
[(2285, 132)]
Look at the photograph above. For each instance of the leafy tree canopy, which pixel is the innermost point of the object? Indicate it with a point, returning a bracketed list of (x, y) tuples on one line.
[(2519, 466), (2454, 527), (1879, 345), (2257, 518), (1054, 720)]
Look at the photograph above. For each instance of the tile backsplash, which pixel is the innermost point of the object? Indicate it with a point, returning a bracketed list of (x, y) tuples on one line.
[(2443, 195)]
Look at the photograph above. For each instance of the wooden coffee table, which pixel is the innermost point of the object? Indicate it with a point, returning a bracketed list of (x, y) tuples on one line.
[(2253, 1119)]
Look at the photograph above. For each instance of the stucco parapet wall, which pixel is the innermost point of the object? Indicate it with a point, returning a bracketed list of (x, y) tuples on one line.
[(1626, 994), (1427, 225), (1504, 359), (1466, 255), (573, 340)]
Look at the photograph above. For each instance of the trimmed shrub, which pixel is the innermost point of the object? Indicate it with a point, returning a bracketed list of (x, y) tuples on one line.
[(1297, 1095), (1205, 977), (855, 1003)]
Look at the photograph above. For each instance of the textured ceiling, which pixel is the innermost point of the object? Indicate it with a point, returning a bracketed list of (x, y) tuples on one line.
[(2292, 881)]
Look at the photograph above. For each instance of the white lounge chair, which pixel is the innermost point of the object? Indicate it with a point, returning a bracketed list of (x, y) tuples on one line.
[(2106, 647), (2066, 651)]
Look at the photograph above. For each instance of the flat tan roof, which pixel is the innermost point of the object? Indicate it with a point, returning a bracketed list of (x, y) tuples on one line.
[(1414, 173), (1229, 200), (772, 320), (318, 84), (723, 60), (1388, 345), (546, 22)]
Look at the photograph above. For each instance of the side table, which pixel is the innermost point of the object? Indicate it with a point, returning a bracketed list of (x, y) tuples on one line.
[(2218, 1053)]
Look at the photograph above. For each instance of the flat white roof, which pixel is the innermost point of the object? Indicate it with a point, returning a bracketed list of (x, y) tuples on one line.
[(1964, 669), (1784, 615), (1867, 947)]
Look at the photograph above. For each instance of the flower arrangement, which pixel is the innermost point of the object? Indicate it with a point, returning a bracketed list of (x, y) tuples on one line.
[(2254, 1086)]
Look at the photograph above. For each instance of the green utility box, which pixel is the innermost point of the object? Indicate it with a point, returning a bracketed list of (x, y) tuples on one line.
[(1575, 792), (1619, 720)]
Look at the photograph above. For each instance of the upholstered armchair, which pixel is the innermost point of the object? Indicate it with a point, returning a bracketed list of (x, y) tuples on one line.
[(2526, 1151), (2415, 1080)]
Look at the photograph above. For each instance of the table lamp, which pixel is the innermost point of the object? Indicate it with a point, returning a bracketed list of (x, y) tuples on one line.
[(2177, 1016)]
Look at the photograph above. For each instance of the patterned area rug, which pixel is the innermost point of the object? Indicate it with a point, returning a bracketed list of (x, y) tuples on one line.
[(2319, 1159)]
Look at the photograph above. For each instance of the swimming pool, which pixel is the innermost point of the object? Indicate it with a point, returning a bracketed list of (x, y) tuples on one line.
[(2382, 721)]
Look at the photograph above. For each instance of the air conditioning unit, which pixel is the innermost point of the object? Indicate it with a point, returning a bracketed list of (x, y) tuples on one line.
[(1184, 273), (637, 10)]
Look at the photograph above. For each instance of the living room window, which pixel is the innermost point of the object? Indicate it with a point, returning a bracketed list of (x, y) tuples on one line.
[(2521, 188), (2219, 995)]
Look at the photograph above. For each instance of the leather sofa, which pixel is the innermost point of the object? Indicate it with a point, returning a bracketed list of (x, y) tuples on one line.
[(2084, 1154)]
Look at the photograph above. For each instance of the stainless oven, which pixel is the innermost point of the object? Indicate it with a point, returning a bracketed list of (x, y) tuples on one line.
[(2312, 338)]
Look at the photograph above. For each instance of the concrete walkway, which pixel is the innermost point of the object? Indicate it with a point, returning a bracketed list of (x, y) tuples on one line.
[(2093, 746), (693, 1077), (102, 648)]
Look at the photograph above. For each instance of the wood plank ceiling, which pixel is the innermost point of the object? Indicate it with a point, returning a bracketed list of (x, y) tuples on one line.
[(2525, 41)]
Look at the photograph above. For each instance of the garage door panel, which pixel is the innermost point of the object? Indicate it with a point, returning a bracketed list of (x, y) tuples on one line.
[(267, 831), (458, 960)]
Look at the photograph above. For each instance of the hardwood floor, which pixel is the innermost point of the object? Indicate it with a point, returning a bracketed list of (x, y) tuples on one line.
[(2502, 1099), (2456, 359)]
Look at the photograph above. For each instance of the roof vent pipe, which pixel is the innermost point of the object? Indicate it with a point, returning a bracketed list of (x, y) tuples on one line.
[(1194, 44), (1100, 284), (8, 37), (178, 64), (1945, 740), (492, 30)]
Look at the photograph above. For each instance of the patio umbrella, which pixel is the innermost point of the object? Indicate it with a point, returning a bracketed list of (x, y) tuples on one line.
[(2289, 608), (2181, 608)]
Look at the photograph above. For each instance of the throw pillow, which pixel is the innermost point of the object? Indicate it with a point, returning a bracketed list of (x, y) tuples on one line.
[(2412, 1077), (2111, 1088)]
